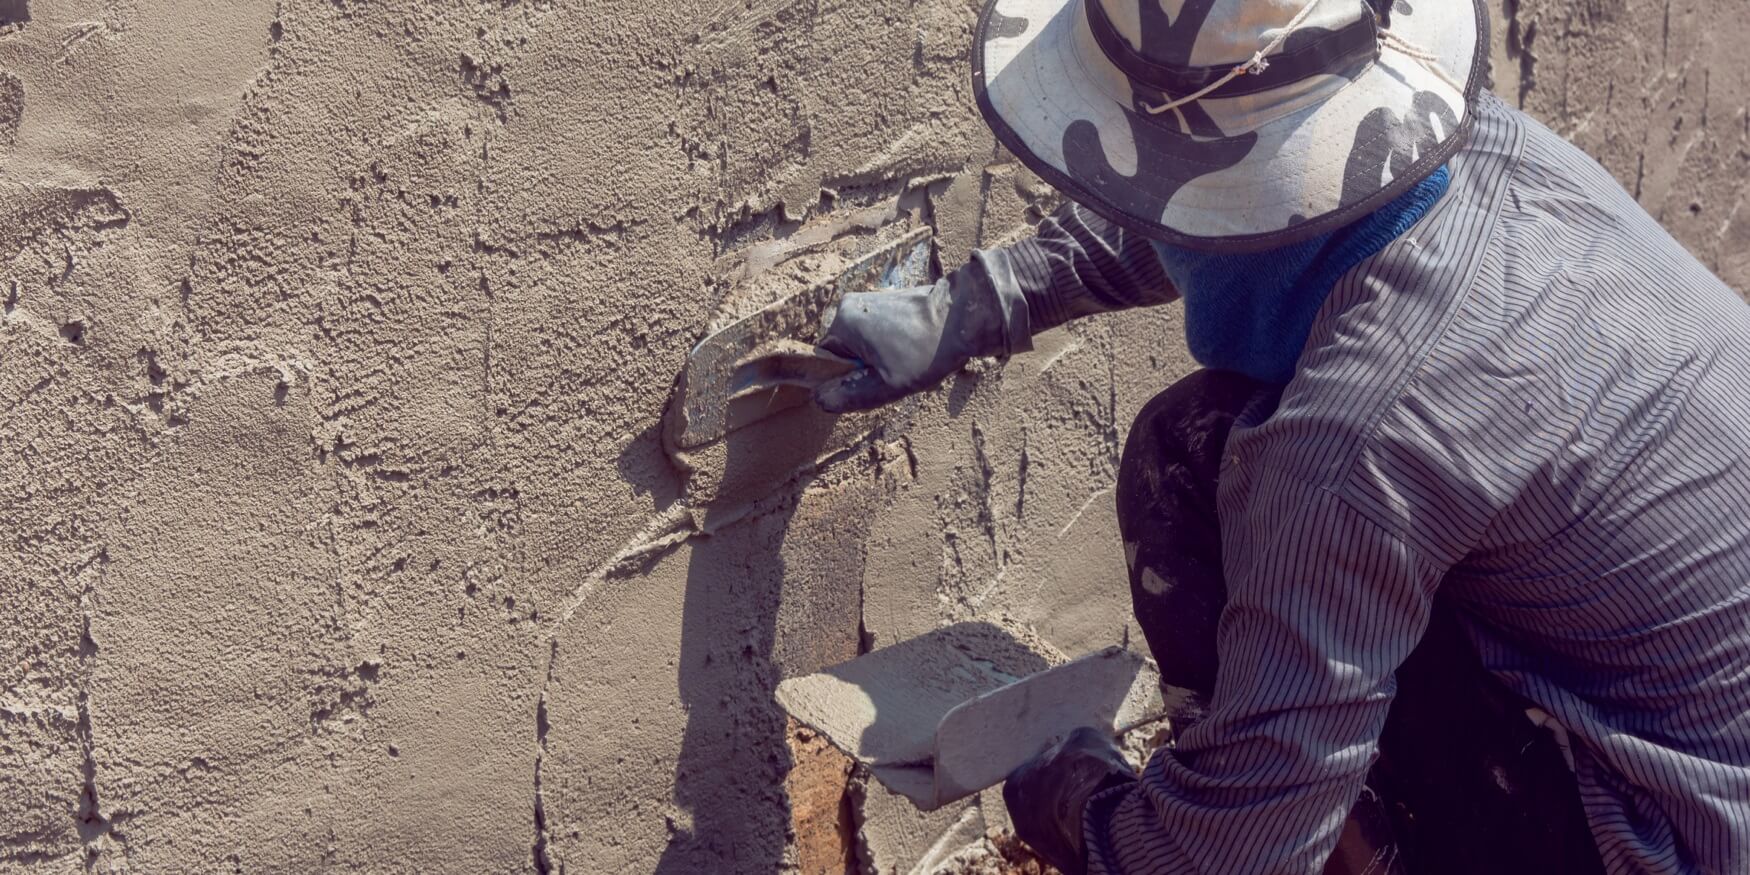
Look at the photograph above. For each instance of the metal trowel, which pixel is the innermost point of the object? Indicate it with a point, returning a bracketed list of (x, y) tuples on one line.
[(741, 377), (947, 714)]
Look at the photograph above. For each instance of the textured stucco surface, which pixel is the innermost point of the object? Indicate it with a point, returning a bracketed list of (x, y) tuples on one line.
[(334, 342)]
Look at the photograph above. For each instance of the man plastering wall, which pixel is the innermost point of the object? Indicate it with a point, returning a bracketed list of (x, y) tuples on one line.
[(1470, 434)]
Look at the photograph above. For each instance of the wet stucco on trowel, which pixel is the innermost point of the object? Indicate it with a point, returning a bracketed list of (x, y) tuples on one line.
[(335, 341)]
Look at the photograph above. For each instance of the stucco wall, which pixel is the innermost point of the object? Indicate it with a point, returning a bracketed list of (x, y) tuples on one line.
[(335, 341), (1657, 91)]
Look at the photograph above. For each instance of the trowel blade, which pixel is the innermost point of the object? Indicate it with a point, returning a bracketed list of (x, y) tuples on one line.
[(777, 377), (725, 366), (980, 742), (883, 707), (948, 714)]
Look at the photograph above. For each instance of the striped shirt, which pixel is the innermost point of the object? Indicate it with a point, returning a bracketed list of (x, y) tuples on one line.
[(1535, 401)]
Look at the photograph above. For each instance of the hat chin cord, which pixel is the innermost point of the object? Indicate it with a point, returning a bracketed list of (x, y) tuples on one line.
[(1259, 63), (1429, 60)]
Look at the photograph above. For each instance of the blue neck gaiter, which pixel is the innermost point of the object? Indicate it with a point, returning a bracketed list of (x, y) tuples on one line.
[(1252, 313)]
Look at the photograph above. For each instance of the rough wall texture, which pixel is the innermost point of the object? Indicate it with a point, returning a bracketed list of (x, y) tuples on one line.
[(1657, 91), (335, 336)]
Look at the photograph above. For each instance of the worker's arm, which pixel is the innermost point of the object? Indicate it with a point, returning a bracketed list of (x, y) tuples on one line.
[(1323, 606), (1076, 264)]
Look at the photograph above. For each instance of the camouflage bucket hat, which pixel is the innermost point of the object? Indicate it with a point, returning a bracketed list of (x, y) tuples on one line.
[(1231, 125)]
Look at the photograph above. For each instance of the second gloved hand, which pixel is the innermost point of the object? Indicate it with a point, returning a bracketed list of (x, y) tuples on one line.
[(912, 339), (1047, 794)]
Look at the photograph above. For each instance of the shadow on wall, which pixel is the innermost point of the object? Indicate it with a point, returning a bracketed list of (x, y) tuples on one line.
[(646, 468), (733, 758)]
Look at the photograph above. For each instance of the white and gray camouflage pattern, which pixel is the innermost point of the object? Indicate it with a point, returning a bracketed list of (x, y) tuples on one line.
[(1244, 172)]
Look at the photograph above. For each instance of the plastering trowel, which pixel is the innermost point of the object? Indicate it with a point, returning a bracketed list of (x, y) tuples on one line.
[(740, 377), (947, 714)]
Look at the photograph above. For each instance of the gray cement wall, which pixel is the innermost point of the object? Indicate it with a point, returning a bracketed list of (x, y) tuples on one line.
[(334, 343)]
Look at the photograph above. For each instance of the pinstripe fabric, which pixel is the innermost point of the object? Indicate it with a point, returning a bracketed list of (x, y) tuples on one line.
[(1537, 402), (1078, 264)]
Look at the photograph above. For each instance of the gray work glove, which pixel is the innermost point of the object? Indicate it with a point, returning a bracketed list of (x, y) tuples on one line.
[(1047, 794), (910, 340)]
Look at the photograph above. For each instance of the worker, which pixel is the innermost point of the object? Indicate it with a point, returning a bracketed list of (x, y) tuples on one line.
[(1471, 433)]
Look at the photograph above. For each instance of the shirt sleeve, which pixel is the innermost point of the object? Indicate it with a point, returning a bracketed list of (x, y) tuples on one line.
[(1323, 606), (1078, 264)]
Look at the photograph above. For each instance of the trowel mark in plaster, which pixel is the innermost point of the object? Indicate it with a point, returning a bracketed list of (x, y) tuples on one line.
[(965, 831), (1039, 581), (987, 516), (93, 825), (542, 860), (664, 532), (1074, 518), (1055, 345), (761, 257), (954, 580), (76, 36)]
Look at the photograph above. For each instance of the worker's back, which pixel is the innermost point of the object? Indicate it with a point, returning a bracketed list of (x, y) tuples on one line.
[(1615, 588), (1568, 431)]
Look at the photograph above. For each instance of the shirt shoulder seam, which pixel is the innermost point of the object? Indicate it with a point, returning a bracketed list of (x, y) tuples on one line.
[(1339, 494), (1368, 434)]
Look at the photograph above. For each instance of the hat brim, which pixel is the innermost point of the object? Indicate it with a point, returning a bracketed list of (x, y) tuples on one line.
[(1072, 116)]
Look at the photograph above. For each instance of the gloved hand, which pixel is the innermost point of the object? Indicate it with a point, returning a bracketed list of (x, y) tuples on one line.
[(1046, 794), (911, 339)]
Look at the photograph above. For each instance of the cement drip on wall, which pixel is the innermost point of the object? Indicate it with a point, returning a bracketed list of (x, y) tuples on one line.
[(334, 338)]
